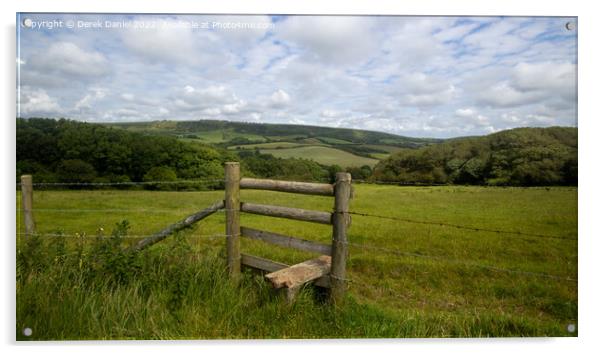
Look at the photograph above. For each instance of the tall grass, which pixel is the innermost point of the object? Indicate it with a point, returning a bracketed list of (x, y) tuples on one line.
[(90, 288)]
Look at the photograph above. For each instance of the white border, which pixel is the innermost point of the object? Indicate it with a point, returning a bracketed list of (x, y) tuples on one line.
[(590, 115)]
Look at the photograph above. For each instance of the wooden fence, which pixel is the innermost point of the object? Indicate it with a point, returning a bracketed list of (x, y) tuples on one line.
[(327, 271)]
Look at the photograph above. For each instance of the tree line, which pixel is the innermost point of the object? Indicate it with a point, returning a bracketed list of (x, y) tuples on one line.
[(516, 157), (66, 151)]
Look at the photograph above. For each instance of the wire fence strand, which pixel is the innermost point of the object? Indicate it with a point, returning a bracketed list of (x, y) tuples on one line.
[(125, 183), (463, 227), (111, 210), (83, 235), (396, 252)]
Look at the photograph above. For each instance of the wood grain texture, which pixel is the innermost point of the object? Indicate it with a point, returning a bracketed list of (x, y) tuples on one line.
[(232, 204), (27, 204), (270, 266), (189, 220), (287, 186), (286, 241), (320, 217), (341, 221), (301, 273)]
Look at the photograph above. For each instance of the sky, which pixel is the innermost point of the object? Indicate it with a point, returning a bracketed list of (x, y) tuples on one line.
[(414, 76)]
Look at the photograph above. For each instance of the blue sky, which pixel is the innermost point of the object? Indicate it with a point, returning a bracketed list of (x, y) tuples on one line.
[(415, 76)]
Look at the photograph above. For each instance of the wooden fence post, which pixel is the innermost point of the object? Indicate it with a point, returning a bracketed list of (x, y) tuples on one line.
[(27, 204), (232, 205), (342, 193)]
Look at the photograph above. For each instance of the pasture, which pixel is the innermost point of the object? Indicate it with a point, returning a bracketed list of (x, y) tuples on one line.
[(410, 277), (323, 155)]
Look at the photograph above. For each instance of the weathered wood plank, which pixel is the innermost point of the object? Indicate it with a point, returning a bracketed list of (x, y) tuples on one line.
[(151, 240), (299, 274), (287, 186), (286, 241), (261, 263), (27, 204), (320, 217), (232, 203), (270, 266), (339, 236)]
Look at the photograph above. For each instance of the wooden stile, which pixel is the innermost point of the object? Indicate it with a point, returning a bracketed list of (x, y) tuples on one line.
[(327, 270)]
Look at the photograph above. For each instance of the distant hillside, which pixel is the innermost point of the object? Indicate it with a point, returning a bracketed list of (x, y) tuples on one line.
[(237, 133), (345, 148), (66, 151), (70, 151), (522, 156)]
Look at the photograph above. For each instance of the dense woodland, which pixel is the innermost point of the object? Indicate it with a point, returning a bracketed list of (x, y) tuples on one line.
[(516, 157), (67, 151)]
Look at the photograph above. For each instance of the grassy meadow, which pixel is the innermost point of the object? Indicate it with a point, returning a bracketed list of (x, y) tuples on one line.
[(323, 155), (406, 279)]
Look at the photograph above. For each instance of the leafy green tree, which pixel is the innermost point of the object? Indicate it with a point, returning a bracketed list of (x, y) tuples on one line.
[(160, 174), (76, 171)]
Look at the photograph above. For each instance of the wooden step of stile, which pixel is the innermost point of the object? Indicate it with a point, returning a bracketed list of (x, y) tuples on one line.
[(301, 273)]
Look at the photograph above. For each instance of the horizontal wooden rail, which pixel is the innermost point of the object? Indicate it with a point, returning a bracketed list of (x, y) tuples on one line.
[(286, 241), (320, 217), (270, 266), (287, 186), (151, 240)]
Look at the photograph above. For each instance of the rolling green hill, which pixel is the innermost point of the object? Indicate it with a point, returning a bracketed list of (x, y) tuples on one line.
[(521, 156), (70, 151), (214, 131), (323, 155), (338, 146)]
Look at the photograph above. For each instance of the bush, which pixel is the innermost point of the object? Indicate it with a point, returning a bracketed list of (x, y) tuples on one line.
[(160, 174), (76, 171)]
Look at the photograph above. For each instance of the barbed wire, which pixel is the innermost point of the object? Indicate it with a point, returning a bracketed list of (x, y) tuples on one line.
[(128, 183), (401, 183), (464, 227), (325, 180), (396, 252), (83, 235), (111, 210)]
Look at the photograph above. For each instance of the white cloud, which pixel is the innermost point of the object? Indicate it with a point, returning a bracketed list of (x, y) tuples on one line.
[(423, 90), (37, 102), (331, 39), (464, 112), (330, 113), (280, 98), (86, 102), (170, 43), (127, 96), (68, 59), (557, 77), (425, 76)]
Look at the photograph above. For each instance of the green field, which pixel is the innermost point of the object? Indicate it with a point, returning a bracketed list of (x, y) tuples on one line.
[(274, 145), (323, 155), (408, 279)]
